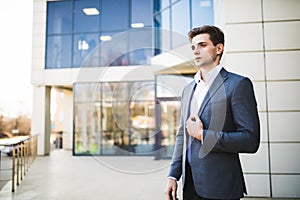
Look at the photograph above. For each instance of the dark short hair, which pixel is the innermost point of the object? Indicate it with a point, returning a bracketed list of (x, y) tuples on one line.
[(216, 35)]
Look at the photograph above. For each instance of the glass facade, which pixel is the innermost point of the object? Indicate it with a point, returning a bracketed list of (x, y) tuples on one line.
[(122, 118), (75, 28), (127, 118), (175, 18), (114, 118)]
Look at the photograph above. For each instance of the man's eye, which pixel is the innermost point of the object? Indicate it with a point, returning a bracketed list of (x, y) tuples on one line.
[(193, 47)]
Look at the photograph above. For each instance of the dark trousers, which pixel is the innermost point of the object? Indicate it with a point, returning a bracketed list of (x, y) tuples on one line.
[(189, 192)]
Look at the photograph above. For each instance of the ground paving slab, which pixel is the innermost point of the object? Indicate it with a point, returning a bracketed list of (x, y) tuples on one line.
[(62, 176)]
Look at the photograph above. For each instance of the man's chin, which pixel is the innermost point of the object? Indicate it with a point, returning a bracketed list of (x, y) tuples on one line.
[(198, 64)]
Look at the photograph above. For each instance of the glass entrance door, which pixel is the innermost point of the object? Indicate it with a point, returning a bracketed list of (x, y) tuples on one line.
[(168, 123)]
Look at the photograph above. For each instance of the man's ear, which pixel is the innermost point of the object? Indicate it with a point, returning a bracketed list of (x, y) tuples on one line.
[(220, 48)]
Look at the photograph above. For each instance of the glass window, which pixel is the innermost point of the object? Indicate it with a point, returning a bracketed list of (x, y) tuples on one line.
[(120, 121), (113, 51), (84, 45), (161, 4), (115, 91), (86, 16), (202, 12), (140, 56), (163, 34), (114, 15), (141, 12), (180, 22), (58, 51), (142, 117), (140, 46), (59, 17), (87, 128), (84, 92), (141, 91), (171, 85), (120, 91)]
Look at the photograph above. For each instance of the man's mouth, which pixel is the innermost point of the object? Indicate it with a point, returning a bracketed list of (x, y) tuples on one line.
[(197, 58)]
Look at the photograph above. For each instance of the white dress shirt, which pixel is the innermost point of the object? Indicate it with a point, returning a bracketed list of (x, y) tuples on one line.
[(201, 91), (202, 88)]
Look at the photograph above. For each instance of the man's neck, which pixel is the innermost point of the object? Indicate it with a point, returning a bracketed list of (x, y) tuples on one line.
[(206, 69)]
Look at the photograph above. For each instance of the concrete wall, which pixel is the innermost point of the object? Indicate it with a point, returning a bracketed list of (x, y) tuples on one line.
[(262, 42)]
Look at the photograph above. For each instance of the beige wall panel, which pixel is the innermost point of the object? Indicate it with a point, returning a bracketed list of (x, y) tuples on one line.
[(284, 126), (37, 77), (58, 77), (243, 37), (38, 58), (257, 185), (39, 6), (281, 9), (256, 163), (242, 11), (282, 35), (263, 126), (284, 95), (285, 157), (247, 64), (283, 65), (39, 42), (260, 94), (286, 186), (38, 52), (37, 63), (39, 19)]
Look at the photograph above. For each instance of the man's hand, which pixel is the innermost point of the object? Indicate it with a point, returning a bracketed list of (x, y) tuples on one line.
[(171, 189), (194, 127)]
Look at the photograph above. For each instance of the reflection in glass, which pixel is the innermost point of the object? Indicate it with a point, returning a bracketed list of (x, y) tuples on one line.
[(139, 91), (87, 128), (84, 22), (171, 85), (119, 119), (180, 22), (202, 12), (87, 92), (83, 47), (140, 12), (58, 51), (115, 15), (59, 17), (162, 4), (170, 119)]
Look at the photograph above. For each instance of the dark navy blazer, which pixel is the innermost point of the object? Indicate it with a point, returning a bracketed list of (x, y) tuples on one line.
[(231, 126)]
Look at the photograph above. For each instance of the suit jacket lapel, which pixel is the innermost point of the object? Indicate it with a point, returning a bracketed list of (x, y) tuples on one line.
[(218, 82), (190, 93)]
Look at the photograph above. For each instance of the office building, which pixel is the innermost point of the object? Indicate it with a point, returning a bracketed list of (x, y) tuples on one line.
[(119, 68)]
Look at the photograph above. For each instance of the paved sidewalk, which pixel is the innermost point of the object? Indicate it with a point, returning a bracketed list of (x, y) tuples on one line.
[(62, 176)]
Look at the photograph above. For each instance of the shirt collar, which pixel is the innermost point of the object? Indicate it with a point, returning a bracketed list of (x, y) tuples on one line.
[(210, 76)]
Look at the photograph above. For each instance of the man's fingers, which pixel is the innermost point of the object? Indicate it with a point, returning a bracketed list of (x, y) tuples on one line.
[(174, 194)]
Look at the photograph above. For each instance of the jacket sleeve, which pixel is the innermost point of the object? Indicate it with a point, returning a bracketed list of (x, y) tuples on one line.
[(246, 137)]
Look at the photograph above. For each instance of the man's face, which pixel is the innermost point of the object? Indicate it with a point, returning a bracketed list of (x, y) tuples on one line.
[(205, 53)]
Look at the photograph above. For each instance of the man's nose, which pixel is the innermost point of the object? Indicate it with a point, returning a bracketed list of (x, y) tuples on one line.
[(196, 51)]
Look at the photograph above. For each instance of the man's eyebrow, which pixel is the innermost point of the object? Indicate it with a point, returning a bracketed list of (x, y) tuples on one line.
[(199, 43)]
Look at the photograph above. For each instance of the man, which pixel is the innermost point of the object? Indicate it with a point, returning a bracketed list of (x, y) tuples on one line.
[(218, 121)]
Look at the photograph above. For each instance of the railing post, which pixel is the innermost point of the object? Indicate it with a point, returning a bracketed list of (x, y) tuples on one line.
[(21, 159), (18, 163), (13, 169)]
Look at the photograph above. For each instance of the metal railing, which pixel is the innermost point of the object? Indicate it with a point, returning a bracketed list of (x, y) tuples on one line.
[(24, 152)]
